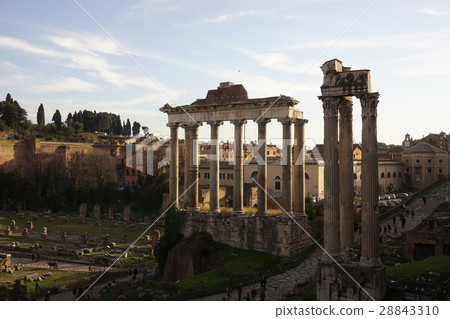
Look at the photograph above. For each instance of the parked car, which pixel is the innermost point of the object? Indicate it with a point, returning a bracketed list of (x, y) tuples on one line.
[(390, 203), (382, 203), (383, 197), (391, 196), (402, 195)]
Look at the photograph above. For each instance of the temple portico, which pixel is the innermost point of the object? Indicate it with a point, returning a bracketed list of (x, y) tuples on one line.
[(230, 102)]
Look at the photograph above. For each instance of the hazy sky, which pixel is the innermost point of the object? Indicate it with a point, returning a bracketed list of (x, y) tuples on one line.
[(160, 51)]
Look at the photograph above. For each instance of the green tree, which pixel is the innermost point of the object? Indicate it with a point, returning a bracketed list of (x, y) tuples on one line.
[(69, 119), (12, 115), (127, 128), (136, 128), (41, 116), (57, 119)]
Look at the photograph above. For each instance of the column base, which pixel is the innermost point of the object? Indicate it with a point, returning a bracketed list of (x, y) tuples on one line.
[(335, 284), (237, 212), (370, 262), (193, 209), (215, 211)]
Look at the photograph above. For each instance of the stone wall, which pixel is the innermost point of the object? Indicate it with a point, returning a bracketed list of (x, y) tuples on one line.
[(278, 235), (439, 240)]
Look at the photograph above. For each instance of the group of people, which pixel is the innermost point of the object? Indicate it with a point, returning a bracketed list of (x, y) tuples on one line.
[(252, 296)]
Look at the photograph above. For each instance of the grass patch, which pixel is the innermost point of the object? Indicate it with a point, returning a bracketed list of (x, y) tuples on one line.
[(228, 263), (436, 264)]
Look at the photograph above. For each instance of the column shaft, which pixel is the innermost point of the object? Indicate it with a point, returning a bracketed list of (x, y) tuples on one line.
[(346, 176), (187, 161), (214, 167), (262, 167), (193, 169), (299, 168), (173, 179), (238, 190), (286, 181), (369, 182), (331, 203)]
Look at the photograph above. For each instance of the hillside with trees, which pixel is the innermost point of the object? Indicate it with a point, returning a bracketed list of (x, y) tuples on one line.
[(78, 126)]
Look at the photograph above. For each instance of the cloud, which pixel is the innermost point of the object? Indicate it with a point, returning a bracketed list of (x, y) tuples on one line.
[(67, 84), (235, 15), (81, 52), (431, 12), (149, 9)]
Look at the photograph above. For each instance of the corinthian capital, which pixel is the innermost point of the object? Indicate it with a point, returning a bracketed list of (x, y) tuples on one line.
[(330, 105), (369, 103)]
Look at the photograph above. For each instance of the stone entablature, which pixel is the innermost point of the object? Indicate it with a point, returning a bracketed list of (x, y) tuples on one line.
[(250, 109)]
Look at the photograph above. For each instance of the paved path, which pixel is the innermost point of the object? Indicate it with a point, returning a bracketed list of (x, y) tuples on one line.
[(277, 286), (420, 211)]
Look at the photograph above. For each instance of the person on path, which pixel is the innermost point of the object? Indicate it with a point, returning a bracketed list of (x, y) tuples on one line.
[(395, 231), (262, 295), (424, 199), (412, 213), (239, 290), (263, 282), (253, 293)]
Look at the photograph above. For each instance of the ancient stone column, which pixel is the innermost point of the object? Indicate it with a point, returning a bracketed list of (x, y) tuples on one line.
[(173, 179), (187, 157), (214, 167), (193, 169), (262, 167), (331, 202), (369, 182), (346, 176), (238, 190), (286, 165), (299, 168)]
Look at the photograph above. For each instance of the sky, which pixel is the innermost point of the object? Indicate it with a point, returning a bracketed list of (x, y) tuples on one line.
[(132, 57)]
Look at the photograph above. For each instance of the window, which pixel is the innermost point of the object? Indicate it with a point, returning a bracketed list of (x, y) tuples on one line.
[(277, 183), (441, 161), (206, 175), (307, 176), (417, 160), (400, 174), (388, 175), (407, 170), (382, 175), (230, 176), (418, 171), (429, 170), (394, 175), (407, 161), (254, 174), (441, 171), (268, 152), (222, 176), (429, 160)]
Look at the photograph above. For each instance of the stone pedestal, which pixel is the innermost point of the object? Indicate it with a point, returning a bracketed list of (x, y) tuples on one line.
[(333, 284), (126, 213), (110, 214), (97, 212), (83, 210)]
